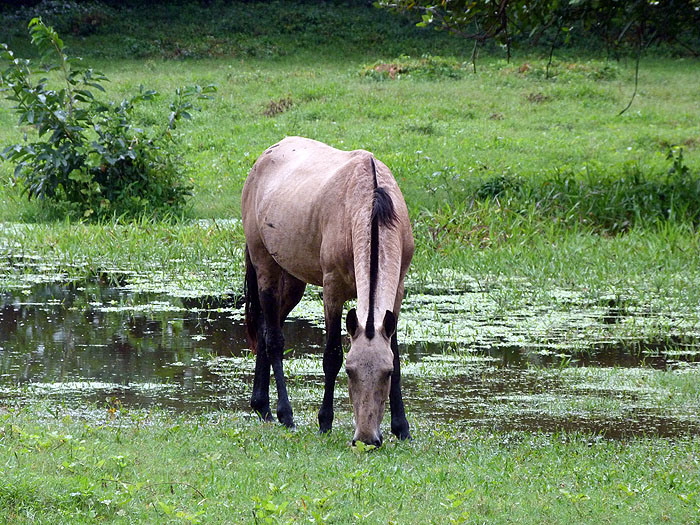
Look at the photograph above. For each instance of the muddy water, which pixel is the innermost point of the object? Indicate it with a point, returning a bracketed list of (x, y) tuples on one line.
[(94, 344)]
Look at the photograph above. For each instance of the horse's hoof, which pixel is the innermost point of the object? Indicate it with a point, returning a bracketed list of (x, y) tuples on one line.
[(264, 415), (324, 431), (284, 413), (287, 420), (402, 433), (325, 421)]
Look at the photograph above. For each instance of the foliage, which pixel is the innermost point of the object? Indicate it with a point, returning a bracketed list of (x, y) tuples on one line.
[(639, 22), (89, 152), (173, 30), (67, 16)]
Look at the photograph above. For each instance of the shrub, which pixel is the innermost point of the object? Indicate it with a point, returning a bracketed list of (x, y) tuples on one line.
[(89, 152)]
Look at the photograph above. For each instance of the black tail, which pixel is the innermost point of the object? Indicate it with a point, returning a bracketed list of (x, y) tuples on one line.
[(253, 311)]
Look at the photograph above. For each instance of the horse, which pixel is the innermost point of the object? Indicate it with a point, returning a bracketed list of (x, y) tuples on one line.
[(337, 219)]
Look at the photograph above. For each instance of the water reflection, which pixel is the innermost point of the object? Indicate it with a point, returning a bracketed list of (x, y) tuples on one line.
[(93, 342), (92, 335)]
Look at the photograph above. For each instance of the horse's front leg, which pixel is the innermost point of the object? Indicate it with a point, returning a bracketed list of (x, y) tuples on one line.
[(399, 423), (274, 342), (332, 357)]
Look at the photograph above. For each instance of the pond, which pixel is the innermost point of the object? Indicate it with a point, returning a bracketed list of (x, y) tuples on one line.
[(586, 368)]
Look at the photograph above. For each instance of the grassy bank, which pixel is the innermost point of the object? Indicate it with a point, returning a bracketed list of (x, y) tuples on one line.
[(654, 266), (496, 181), (218, 470)]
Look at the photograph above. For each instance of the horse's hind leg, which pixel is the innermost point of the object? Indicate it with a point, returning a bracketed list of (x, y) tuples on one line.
[(260, 400), (255, 326), (292, 292), (274, 286)]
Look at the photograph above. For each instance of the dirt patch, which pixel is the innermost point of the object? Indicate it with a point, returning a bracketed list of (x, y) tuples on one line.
[(691, 143), (391, 70), (538, 98), (275, 107)]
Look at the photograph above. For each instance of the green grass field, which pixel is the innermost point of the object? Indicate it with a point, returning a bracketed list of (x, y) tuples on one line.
[(534, 184), (218, 469)]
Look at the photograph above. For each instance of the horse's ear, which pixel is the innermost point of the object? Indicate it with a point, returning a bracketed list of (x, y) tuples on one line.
[(389, 323), (351, 322)]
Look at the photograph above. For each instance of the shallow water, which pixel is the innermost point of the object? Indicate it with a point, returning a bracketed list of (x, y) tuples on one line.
[(100, 345)]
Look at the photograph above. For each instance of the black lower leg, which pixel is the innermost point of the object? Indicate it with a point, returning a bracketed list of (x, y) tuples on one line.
[(399, 424), (332, 361), (260, 400), (274, 342), (284, 407)]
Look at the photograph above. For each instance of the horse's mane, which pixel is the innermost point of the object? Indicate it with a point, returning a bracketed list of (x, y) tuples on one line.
[(384, 214)]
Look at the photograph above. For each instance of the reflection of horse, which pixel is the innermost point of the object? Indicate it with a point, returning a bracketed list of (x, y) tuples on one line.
[(315, 214)]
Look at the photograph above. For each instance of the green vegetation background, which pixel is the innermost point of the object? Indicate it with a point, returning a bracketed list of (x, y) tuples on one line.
[(498, 166), (506, 173)]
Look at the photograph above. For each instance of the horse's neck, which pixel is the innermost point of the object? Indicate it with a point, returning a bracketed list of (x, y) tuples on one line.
[(388, 272)]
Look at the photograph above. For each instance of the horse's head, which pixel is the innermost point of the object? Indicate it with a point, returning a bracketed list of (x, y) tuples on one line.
[(369, 365)]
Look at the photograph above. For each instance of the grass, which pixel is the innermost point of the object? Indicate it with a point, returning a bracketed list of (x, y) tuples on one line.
[(194, 258), (482, 192), (217, 470), (500, 124)]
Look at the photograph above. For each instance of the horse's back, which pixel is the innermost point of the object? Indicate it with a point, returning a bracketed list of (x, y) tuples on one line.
[(295, 194), (296, 162)]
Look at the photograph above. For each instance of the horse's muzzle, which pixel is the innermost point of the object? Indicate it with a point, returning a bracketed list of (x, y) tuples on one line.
[(377, 441)]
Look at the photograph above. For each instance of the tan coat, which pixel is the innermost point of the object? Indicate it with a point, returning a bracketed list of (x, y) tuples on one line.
[(307, 211)]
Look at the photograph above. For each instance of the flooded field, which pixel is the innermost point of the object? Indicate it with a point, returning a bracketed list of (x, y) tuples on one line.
[(607, 368)]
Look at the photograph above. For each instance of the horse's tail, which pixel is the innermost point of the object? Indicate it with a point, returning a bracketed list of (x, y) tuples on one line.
[(253, 311)]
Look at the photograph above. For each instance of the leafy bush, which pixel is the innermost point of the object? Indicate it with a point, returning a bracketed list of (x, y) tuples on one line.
[(90, 153)]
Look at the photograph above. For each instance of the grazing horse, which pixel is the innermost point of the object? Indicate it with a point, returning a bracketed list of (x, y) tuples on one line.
[(337, 219)]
